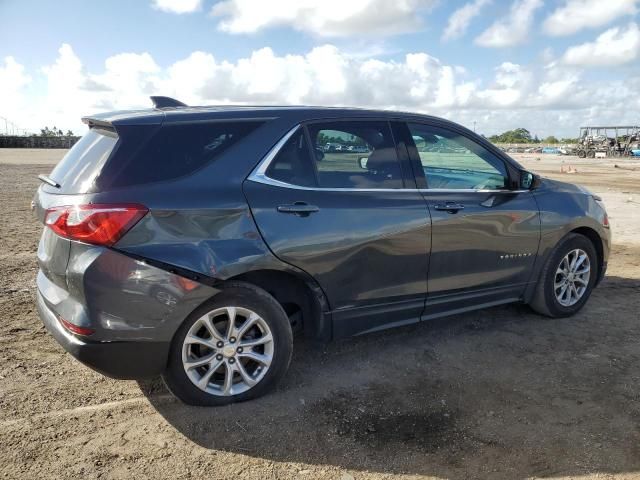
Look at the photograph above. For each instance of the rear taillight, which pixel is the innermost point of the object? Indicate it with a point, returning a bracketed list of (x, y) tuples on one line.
[(98, 224)]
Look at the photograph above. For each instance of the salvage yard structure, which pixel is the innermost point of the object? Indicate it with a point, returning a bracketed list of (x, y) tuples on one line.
[(608, 141)]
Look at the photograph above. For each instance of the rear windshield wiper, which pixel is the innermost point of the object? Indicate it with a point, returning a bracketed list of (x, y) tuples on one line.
[(49, 181)]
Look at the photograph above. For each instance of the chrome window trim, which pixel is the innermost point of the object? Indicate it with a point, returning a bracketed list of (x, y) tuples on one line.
[(259, 175)]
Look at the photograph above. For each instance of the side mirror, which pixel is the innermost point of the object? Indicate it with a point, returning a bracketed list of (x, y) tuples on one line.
[(529, 181), (362, 162)]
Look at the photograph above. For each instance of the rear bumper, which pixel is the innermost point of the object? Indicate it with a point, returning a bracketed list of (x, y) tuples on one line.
[(124, 360), (133, 308)]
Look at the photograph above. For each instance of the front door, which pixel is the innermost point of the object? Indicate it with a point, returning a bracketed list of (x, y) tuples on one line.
[(338, 203), (485, 234)]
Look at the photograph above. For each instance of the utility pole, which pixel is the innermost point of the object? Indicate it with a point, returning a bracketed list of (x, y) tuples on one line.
[(474, 126)]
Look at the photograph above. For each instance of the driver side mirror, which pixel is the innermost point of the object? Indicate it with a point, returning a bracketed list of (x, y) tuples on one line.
[(528, 180)]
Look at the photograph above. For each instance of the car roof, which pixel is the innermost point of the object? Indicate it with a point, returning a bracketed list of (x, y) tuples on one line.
[(298, 113)]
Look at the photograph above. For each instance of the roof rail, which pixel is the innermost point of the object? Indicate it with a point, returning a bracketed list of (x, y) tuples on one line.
[(162, 102)]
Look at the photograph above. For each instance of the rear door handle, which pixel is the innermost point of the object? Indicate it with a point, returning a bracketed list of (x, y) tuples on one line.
[(449, 207), (298, 208)]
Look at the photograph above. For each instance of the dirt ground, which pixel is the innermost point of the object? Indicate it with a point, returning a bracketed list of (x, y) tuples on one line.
[(499, 393)]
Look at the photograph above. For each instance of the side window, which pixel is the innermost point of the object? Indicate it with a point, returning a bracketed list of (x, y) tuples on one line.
[(293, 164), (355, 154), (175, 150), (453, 161)]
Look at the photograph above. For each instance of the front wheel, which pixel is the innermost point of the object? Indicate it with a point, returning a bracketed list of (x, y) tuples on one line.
[(233, 348), (567, 278)]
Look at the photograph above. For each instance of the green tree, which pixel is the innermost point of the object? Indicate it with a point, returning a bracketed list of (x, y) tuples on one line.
[(551, 139), (51, 132), (519, 135)]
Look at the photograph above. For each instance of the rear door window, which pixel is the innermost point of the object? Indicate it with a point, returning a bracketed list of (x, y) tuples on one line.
[(293, 163), (355, 154)]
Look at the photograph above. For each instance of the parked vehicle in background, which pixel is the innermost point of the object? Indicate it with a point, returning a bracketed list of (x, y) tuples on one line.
[(551, 150), (193, 243)]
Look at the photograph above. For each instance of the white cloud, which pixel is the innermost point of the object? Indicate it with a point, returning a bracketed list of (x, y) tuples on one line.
[(576, 15), (461, 18), (177, 6), (544, 100), (513, 28), (327, 18), (613, 47), (12, 81), (71, 92)]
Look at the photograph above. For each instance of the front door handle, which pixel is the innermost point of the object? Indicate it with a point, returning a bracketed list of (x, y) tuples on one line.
[(301, 209), (449, 207)]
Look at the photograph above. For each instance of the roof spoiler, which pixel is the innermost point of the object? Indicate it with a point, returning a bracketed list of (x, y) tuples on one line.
[(92, 122), (162, 102)]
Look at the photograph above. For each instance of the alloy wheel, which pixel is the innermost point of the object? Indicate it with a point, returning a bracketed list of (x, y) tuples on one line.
[(572, 277), (227, 351)]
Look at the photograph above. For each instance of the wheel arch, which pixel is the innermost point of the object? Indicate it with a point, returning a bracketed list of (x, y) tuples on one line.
[(548, 247), (594, 238), (301, 298)]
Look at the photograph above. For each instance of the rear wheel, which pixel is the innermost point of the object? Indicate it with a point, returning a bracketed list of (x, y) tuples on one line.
[(567, 278), (233, 348)]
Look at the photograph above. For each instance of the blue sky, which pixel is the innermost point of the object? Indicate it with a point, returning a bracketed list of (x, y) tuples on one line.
[(549, 66)]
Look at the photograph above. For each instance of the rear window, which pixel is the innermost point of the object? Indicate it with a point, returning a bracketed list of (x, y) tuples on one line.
[(78, 170), (176, 150), (142, 154)]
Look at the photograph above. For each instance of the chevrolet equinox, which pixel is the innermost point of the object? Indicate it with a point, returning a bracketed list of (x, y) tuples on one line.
[(194, 242)]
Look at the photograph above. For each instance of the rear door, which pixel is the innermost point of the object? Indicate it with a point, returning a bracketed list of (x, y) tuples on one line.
[(485, 233), (338, 201)]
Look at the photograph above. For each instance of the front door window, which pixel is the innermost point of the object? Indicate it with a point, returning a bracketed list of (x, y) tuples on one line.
[(452, 161)]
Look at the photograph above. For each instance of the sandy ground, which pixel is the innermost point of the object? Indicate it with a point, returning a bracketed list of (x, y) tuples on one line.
[(31, 156), (500, 393)]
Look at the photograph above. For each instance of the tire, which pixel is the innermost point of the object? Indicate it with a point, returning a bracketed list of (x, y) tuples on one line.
[(222, 352), (582, 154), (545, 300), (591, 154)]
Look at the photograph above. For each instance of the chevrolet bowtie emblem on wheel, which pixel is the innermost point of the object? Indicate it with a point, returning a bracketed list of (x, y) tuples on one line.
[(511, 256)]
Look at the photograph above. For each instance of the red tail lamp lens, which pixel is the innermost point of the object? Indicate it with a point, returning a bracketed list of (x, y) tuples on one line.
[(98, 224)]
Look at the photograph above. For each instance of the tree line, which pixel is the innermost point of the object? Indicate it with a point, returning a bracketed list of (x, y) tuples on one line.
[(53, 132), (522, 135)]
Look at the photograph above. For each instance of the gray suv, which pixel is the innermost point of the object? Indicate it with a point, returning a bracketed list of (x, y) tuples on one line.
[(196, 242)]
